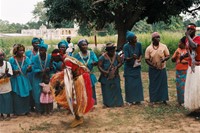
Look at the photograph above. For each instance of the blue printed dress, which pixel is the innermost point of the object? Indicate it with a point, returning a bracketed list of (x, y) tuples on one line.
[(30, 54), (38, 66), (132, 75), (20, 86), (111, 89), (88, 60)]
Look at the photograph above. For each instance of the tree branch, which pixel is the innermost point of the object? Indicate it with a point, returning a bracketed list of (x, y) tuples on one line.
[(191, 11)]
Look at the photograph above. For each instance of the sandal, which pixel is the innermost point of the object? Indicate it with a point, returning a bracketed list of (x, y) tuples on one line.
[(7, 118), (76, 122), (1, 118)]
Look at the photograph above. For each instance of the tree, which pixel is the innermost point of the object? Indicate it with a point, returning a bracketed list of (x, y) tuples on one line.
[(39, 13), (6, 27), (40, 17), (123, 13)]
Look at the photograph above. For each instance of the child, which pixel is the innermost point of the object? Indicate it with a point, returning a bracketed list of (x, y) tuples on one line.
[(6, 104), (46, 98), (181, 69)]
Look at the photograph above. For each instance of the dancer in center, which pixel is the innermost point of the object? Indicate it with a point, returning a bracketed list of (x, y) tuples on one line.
[(72, 87)]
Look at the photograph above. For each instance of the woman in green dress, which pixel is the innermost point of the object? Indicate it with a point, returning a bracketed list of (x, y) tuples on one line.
[(109, 63)]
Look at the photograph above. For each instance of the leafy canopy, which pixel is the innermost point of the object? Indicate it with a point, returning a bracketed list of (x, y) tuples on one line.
[(123, 13)]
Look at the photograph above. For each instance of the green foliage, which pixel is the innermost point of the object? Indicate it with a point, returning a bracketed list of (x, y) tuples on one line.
[(84, 29), (124, 14), (162, 111), (39, 13), (6, 27)]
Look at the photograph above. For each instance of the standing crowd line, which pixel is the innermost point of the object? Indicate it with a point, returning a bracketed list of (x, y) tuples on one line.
[(31, 80)]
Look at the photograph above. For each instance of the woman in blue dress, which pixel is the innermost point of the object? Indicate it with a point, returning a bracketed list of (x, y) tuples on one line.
[(20, 83), (89, 59), (132, 70), (30, 54), (41, 65), (108, 64)]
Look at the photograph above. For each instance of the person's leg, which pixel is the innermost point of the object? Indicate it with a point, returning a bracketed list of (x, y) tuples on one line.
[(2, 117), (45, 106), (77, 121), (48, 106), (8, 117)]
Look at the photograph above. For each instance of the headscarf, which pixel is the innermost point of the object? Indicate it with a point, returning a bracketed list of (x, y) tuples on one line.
[(191, 26), (80, 42), (155, 34), (129, 35), (35, 39), (56, 52), (41, 40), (42, 45), (63, 42)]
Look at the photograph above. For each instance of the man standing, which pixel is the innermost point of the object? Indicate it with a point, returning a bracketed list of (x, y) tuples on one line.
[(70, 48)]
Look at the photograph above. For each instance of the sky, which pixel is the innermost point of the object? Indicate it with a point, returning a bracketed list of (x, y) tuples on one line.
[(17, 11)]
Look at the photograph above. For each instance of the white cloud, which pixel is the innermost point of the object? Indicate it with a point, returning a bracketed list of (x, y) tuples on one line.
[(17, 11)]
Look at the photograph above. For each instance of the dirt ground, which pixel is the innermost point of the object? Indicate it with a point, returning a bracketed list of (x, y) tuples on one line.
[(127, 119)]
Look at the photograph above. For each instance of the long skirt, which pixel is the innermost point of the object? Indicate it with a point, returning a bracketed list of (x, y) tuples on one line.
[(133, 89), (36, 91), (93, 81), (111, 91), (158, 85), (20, 104), (192, 89), (180, 85), (6, 103)]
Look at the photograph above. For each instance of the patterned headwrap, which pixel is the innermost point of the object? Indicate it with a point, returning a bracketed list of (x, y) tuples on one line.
[(63, 42), (155, 34), (42, 45), (191, 26), (80, 42), (35, 39), (129, 35)]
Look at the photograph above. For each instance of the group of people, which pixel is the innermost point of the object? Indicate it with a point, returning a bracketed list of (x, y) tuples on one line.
[(32, 80), (187, 58)]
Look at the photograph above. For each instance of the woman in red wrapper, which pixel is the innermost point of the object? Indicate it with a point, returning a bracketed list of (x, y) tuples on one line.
[(72, 87)]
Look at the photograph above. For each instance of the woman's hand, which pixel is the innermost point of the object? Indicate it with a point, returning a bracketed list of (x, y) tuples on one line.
[(47, 69), (135, 56), (16, 72), (29, 68)]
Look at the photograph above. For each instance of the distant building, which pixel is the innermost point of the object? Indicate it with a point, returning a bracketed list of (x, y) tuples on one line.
[(43, 32)]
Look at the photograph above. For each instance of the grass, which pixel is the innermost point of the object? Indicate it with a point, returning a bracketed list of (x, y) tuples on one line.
[(41, 127)]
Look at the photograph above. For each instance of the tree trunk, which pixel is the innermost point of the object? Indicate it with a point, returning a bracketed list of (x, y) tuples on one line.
[(121, 37)]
